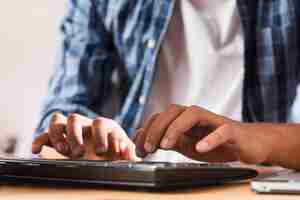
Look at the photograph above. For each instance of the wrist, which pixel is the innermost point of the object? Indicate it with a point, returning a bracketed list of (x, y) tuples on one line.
[(285, 146), (275, 138)]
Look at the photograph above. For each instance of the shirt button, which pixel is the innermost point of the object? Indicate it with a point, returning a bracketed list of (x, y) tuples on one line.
[(142, 100), (151, 43), (149, 69)]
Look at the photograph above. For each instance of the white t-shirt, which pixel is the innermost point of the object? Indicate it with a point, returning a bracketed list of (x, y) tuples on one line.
[(201, 62)]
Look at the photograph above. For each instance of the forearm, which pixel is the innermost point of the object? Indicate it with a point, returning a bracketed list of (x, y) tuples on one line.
[(285, 150), (77, 83)]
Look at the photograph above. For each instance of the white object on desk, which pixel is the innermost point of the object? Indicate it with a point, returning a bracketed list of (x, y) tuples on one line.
[(283, 182)]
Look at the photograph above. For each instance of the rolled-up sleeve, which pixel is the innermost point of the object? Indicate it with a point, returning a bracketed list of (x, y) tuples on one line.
[(82, 67)]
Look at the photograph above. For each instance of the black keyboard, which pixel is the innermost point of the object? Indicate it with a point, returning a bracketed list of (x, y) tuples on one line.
[(144, 174), (110, 164)]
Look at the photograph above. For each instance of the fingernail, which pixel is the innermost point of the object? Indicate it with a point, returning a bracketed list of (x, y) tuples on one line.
[(100, 150), (149, 147), (140, 153), (202, 147), (165, 143), (138, 159)]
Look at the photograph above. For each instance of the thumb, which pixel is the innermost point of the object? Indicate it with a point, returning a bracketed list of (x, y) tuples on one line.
[(219, 137)]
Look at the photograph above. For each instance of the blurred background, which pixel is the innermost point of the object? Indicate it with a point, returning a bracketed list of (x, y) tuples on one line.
[(28, 43)]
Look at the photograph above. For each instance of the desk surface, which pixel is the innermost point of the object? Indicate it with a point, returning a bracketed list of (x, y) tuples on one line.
[(227, 192)]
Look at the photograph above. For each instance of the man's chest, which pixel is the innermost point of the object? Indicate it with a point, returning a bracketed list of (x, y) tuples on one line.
[(137, 27)]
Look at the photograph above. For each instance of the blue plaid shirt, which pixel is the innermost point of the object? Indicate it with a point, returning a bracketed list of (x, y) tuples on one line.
[(109, 51)]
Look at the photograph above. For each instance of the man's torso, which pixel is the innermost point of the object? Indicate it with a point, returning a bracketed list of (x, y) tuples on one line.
[(271, 53)]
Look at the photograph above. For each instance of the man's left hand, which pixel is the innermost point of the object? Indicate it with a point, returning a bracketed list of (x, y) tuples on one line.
[(205, 136)]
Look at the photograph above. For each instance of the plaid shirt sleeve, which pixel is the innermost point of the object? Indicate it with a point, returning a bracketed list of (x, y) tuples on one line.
[(77, 83)]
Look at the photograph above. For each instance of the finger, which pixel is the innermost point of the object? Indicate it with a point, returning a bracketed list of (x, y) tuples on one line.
[(123, 147), (39, 142), (117, 137), (116, 147), (100, 131), (85, 121), (139, 142), (187, 146), (141, 135), (128, 151), (220, 137), (74, 136), (130, 154), (159, 126), (193, 116), (56, 134), (113, 151), (89, 145), (145, 126)]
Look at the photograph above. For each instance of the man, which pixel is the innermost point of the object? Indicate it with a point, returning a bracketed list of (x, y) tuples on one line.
[(124, 60)]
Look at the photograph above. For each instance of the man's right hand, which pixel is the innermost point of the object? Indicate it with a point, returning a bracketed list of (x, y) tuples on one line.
[(78, 137)]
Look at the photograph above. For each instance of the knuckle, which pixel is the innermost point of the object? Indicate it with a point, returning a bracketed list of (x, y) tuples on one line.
[(158, 126), (173, 130), (54, 117), (57, 115), (153, 138), (99, 121), (150, 139), (194, 108), (138, 134), (73, 117), (55, 126)]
